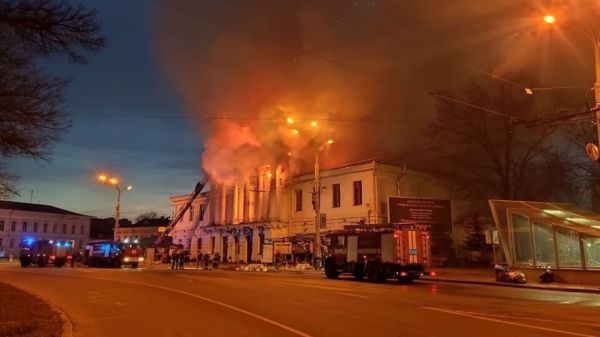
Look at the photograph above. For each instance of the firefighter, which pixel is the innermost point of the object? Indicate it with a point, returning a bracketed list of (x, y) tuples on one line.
[(216, 260), (174, 259)]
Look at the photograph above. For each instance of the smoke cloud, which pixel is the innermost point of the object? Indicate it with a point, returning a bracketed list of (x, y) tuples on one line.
[(360, 69)]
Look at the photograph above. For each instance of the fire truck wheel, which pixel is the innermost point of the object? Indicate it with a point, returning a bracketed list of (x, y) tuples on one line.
[(58, 264), (372, 273), (41, 264), (25, 263)]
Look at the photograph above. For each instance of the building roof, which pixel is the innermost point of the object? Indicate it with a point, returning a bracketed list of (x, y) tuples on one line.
[(157, 222), (40, 208)]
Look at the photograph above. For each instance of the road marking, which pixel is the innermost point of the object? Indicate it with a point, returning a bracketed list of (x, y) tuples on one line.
[(210, 300), (305, 285), (351, 295), (459, 313), (527, 318)]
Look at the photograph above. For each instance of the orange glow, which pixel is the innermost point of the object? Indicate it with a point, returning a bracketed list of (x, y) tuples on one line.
[(330, 141), (102, 177), (313, 124), (295, 131), (550, 19), (113, 181), (289, 154), (290, 120)]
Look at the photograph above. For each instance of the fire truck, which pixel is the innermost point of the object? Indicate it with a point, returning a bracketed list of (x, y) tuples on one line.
[(103, 254), (44, 252), (133, 253), (378, 252)]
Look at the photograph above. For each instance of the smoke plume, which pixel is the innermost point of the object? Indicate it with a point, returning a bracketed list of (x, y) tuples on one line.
[(360, 69)]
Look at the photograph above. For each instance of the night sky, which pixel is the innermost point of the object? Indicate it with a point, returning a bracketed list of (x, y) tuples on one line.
[(143, 108)]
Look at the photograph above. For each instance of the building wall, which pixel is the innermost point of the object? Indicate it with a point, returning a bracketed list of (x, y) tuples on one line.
[(266, 205), (77, 228)]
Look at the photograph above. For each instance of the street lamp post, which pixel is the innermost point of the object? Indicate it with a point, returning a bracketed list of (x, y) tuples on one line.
[(550, 19), (115, 182), (317, 199)]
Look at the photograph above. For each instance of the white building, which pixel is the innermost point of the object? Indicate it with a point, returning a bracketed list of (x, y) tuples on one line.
[(239, 220), (20, 221)]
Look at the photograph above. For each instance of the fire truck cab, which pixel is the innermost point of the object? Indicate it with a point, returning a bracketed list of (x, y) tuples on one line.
[(133, 253), (378, 252)]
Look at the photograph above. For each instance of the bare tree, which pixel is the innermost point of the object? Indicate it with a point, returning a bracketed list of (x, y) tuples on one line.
[(487, 149), (32, 108)]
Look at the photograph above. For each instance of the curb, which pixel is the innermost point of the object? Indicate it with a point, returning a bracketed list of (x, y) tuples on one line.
[(513, 285), (67, 326)]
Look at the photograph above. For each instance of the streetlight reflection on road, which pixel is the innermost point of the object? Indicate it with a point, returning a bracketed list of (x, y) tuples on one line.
[(113, 181)]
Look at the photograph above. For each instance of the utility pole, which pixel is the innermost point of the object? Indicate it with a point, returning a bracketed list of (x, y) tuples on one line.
[(317, 199)]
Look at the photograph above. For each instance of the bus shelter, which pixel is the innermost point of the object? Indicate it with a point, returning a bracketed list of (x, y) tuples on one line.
[(540, 234)]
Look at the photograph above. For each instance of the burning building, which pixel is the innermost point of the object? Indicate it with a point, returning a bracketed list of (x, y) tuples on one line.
[(272, 212)]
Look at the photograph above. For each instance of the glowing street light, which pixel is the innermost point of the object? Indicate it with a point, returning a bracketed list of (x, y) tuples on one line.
[(550, 19), (313, 124), (295, 131), (103, 178), (290, 120)]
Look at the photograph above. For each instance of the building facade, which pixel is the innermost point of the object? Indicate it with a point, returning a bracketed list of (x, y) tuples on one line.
[(21, 221), (145, 231), (239, 222)]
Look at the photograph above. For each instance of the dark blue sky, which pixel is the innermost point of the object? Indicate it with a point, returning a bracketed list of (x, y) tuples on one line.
[(374, 61), (126, 119)]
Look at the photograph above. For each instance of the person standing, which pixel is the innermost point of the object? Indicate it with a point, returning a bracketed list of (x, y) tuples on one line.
[(216, 260), (181, 260), (174, 259)]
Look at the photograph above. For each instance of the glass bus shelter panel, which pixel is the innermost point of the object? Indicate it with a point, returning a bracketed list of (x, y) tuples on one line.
[(543, 241), (569, 252), (500, 211), (591, 248), (521, 240)]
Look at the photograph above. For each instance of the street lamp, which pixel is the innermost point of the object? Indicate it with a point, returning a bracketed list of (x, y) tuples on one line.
[(317, 200), (590, 148), (112, 181)]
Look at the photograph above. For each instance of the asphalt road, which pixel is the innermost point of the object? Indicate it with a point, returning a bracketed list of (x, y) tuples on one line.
[(125, 302)]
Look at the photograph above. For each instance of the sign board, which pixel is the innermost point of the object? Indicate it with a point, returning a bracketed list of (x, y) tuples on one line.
[(283, 248), (267, 256), (424, 211), (491, 237)]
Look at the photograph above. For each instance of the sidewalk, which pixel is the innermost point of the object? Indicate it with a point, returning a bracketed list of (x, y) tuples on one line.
[(486, 276)]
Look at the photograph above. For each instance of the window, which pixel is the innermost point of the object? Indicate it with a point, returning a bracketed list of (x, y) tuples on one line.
[(35, 227), (24, 227), (11, 243), (202, 211), (13, 226), (0, 242), (298, 200), (54, 228), (81, 229), (45, 228), (191, 214), (64, 229), (1, 226), (199, 245), (358, 193), (72, 229), (336, 195)]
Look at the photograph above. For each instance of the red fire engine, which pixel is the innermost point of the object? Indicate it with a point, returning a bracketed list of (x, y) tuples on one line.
[(378, 252)]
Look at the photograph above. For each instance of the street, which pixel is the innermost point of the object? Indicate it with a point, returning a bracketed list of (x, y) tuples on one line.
[(130, 302)]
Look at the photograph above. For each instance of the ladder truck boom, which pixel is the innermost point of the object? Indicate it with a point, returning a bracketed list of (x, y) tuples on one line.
[(199, 186)]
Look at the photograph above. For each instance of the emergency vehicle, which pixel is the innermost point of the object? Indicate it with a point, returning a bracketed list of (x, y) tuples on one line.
[(44, 252), (133, 253), (103, 254), (378, 252)]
